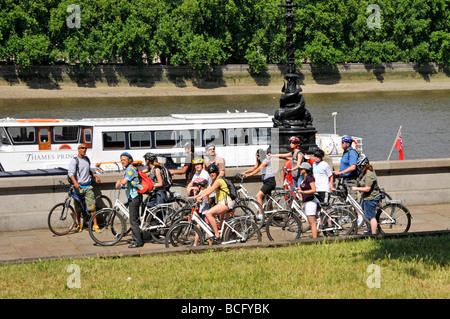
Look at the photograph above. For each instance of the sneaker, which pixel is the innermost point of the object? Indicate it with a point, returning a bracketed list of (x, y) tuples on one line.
[(79, 228), (259, 217), (96, 229), (216, 240)]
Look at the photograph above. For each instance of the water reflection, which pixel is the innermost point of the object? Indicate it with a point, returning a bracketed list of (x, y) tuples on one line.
[(376, 117)]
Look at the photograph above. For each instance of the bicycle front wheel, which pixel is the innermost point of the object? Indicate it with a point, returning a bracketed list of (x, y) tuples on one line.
[(102, 201), (342, 222), (242, 229), (112, 227), (284, 225), (393, 219), (183, 234), (167, 215), (61, 219)]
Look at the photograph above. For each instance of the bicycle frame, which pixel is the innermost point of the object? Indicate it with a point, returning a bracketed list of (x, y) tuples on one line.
[(119, 206), (195, 217)]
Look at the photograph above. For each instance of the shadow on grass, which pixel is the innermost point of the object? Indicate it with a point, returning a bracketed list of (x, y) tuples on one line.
[(430, 249)]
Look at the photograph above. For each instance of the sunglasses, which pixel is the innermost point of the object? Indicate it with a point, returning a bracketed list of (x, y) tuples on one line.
[(82, 148)]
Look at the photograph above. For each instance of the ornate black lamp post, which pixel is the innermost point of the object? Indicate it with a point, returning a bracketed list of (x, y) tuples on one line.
[(292, 118)]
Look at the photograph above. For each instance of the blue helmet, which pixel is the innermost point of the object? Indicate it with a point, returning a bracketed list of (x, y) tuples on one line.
[(347, 139), (128, 155)]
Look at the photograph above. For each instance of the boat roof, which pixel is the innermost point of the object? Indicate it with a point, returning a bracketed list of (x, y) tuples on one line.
[(173, 118)]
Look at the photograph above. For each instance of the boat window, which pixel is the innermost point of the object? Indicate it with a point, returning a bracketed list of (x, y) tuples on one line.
[(88, 135), (214, 136), (3, 137), (22, 134), (140, 139), (190, 136), (65, 134), (43, 135), (261, 136), (238, 136), (165, 139), (114, 140)]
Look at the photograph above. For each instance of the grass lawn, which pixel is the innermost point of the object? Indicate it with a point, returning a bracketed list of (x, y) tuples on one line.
[(416, 267)]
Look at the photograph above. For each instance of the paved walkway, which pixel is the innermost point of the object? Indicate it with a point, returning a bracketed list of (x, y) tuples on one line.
[(33, 245)]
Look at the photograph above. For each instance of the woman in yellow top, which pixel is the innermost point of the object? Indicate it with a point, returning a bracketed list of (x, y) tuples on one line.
[(223, 201)]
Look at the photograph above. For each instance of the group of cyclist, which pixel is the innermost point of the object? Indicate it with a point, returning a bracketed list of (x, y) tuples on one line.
[(205, 185)]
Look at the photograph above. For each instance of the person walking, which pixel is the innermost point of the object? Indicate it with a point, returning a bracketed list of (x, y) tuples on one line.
[(370, 192), (81, 176), (131, 180)]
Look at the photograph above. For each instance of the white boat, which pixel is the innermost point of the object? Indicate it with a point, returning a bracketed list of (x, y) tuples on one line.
[(30, 144)]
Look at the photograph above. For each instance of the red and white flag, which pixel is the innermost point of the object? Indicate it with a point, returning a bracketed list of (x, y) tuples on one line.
[(399, 145)]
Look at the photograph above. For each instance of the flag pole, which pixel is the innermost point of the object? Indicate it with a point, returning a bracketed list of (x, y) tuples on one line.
[(395, 141)]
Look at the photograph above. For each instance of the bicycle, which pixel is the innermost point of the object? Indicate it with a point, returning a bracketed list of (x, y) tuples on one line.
[(114, 222), (61, 218), (391, 215), (271, 203), (232, 229), (291, 224)]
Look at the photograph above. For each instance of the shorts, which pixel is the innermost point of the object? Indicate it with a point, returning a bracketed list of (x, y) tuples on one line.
[(323, 197), (369, 207), (310, 207), (227, 202), (89, 198), (268, 186)]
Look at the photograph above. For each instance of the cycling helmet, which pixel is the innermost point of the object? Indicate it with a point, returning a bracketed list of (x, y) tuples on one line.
[(363, 161), (150, 156), (202, 182), (305, 165), (213, 168), (347, 139), (197, 160), (294, 139), (127, 154)]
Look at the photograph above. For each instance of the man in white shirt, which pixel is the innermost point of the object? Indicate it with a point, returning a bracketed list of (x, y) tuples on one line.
[(323, 176)]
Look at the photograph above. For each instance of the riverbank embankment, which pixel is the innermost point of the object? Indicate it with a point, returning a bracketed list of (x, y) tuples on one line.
[(61, 81), (403, 180)]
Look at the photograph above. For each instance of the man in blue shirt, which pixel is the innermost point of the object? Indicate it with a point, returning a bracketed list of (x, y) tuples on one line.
[(347, 168)]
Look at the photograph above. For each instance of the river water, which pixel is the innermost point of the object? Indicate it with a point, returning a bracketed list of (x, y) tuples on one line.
[(376, 117)]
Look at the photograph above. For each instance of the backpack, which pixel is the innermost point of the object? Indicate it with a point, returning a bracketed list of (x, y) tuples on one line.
[(358, 170), (166, 177), (76, 168), (145, 181), (308, 159), (233, 191)]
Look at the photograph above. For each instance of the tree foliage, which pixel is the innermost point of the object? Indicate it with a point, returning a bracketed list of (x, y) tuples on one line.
[(206, 33)]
